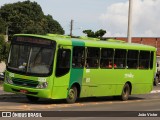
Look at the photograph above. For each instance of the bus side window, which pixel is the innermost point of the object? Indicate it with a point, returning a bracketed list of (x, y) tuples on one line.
[(63, 62), (120, 58), (93, 55), (106, 58), (78, 58), (132, 59), (144, 58)]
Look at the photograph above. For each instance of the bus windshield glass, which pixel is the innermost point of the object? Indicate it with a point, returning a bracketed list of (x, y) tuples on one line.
[(31, 58)]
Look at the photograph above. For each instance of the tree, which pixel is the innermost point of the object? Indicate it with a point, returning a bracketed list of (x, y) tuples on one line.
[(28, 17), (100, 33), (97, 34), (36, 27), (4, 49), (53, 26), (2, 26), (89, 33)]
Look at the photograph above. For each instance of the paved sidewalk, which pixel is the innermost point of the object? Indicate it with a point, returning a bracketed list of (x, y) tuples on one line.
[(2, 66)]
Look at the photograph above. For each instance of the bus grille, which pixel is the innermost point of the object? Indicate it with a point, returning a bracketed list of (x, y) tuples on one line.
[(25, 82)]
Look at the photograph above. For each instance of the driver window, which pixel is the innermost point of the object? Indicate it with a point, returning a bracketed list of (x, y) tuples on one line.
[(63, 62)]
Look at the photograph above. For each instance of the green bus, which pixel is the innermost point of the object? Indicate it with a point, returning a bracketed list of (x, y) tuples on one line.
[(59, 67)]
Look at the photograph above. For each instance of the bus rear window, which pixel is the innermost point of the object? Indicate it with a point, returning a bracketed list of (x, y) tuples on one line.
[(151, 60)]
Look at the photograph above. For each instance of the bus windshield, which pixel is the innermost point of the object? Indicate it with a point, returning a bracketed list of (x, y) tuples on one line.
[(31, 59)]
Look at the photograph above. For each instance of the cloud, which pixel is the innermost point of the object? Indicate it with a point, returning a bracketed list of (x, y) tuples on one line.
[(145, 19)]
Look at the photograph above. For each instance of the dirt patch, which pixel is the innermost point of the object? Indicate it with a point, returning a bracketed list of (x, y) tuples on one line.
[(1, 84)]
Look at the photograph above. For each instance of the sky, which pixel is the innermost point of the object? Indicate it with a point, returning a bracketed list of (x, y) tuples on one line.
[(110, 15)]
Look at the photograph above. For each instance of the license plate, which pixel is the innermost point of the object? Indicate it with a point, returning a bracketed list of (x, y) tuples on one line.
[(23, 91)]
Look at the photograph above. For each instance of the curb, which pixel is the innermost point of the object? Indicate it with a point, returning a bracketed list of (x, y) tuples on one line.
[(155, 91)]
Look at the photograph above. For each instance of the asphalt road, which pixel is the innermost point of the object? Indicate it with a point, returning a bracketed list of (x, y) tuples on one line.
[(19, 102), (97, 108)]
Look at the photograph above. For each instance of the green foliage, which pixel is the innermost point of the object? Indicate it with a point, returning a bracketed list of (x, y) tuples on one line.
[(89, 33), (53, 26), (100, 33), (28, 17), (2, 42), (2, 26), (97, 34), (4, 49), (35, 28)]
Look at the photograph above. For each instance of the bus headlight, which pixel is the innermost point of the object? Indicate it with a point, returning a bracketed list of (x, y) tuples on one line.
[(42, 85), (9, 80)]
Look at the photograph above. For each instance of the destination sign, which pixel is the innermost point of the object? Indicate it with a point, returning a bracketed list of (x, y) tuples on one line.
[(32, 40)]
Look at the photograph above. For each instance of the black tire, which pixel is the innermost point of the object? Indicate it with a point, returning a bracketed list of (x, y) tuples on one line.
[(72, 95), (125, 92), (156, 81), (32, 98)]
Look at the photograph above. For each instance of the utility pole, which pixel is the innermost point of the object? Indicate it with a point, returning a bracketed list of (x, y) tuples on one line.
[(129, 35), (71, 28)]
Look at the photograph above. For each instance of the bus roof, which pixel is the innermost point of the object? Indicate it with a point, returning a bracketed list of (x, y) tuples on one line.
[(92, 42)]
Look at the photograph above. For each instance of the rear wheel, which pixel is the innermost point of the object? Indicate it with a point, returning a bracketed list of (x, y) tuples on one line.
[(32, 98), (72, 95), (125, 92), (156, 81)]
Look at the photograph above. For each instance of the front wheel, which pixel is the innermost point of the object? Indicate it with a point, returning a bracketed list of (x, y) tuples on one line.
[(125, 92), (72, 95)]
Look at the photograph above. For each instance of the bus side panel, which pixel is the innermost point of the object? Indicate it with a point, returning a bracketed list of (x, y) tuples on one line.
[(76, 75), (140, 80), (98, 82), (143, 83), (87, 84), (60, 87), (108, 82), (61, 83)]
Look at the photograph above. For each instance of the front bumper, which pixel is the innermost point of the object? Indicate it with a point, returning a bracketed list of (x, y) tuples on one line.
[(41, 93)]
